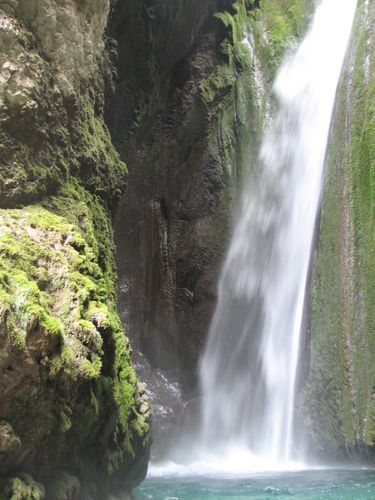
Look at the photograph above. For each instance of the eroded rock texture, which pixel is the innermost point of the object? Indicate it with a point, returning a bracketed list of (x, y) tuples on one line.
[(51, 85)]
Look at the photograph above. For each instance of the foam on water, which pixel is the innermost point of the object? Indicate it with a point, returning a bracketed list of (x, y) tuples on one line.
[(236, 463)]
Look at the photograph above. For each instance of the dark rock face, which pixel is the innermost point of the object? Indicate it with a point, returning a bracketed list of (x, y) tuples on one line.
[(177, 115)]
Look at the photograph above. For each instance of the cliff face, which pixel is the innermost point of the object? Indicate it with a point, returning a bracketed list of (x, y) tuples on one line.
[(186, 115), (73, 419), (340, 398)]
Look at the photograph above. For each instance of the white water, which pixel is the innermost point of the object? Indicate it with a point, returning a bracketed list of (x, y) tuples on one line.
[(248, 370)]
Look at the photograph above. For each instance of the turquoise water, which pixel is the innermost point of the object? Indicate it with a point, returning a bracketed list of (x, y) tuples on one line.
[(306, 485)]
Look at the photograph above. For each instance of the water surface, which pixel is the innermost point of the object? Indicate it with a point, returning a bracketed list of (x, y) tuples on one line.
[(303, 485)]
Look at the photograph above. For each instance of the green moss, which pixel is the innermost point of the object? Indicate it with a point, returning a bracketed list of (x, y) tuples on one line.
[(91, 369), (82, 148), (95, 160), (98, 314), (51, 326), (58, 304), (362, 175), (276, 26), (65, 419), (18, 489), (235, 55), (57, 278), (222, 80)]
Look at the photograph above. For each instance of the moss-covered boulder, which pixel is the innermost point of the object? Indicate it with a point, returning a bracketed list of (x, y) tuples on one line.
[(22, 488)]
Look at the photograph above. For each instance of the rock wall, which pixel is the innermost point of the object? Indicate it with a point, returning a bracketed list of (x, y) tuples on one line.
[(74, 421), (340, 398)]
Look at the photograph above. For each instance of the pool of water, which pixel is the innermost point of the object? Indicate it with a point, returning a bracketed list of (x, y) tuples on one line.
[(302, 485)]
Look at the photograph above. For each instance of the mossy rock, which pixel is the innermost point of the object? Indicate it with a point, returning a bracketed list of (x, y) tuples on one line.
[(65, 362), (22, 488)]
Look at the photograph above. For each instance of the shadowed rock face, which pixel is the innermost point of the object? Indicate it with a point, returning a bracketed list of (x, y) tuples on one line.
[(177, 115)]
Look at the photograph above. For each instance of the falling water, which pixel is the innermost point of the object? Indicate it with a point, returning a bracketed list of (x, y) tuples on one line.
[(248, 370)]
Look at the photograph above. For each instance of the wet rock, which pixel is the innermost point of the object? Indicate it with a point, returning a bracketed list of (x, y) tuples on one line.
[(65, 487), (338, 403)]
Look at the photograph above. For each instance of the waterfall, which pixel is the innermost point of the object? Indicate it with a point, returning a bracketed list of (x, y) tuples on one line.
[(248, 369)]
